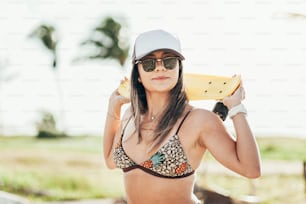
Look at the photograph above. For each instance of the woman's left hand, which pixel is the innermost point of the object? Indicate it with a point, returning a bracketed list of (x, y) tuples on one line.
[(235, 98)]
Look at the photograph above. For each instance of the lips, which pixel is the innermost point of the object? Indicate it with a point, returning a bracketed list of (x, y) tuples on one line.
[(160, 78)]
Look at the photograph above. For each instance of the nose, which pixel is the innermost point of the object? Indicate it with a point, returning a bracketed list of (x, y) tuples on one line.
[(159, 65)]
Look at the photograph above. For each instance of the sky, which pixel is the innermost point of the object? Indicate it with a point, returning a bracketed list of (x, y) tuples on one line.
[(260, 40)]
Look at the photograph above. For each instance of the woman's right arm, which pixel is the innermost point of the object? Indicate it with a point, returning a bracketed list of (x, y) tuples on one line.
[(112, 125)]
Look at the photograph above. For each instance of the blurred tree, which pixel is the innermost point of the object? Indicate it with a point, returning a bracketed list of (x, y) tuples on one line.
[(107, 43), (47, 35), (46, 127)]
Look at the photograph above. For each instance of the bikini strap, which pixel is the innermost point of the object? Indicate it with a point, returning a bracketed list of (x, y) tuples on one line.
[(179, 127)]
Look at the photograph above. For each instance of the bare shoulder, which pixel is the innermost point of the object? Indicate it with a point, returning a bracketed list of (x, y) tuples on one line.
[(205, 119), (200, 122), (203, 115), (200, 112)]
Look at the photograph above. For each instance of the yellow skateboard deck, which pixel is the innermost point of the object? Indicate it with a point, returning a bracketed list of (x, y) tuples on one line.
[(206, 87), (199, 86)]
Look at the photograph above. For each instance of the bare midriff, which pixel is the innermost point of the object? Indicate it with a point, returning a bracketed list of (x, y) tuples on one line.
[(142, 187)]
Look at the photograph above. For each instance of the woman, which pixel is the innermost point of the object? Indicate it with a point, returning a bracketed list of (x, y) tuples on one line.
[(161, 138)]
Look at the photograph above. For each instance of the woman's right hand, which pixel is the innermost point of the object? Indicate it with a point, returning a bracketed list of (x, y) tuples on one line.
[(116, 97), (117, 100), (115, 103)]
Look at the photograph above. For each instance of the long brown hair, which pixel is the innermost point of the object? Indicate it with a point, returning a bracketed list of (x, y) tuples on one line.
[(173, 111)]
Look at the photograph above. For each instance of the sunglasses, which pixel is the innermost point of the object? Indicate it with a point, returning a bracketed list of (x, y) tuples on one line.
[(149, 65)]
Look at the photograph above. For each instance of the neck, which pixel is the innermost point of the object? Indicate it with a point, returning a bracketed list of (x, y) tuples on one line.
[(156, 104)]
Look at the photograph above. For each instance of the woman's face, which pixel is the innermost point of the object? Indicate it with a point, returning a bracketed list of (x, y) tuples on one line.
[(160, 79)]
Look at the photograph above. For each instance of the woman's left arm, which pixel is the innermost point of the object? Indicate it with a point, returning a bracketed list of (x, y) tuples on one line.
[(240, 155), (246, 146)]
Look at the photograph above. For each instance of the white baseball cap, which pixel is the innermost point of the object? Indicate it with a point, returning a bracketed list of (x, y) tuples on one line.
[(155, 40)]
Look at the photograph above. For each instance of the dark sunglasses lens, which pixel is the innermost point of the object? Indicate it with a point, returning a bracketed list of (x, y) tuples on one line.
[(170, 62), (148, 65)]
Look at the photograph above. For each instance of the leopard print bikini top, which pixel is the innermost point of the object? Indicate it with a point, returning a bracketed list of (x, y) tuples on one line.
[(169, 161)]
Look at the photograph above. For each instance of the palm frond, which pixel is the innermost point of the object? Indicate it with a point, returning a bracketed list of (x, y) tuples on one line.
[(106, 42), (46, 34)]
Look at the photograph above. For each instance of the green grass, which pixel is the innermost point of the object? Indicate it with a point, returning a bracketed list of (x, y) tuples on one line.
[(57, 169), (281, 148), (84, 144), (270, 189), (72, 168)]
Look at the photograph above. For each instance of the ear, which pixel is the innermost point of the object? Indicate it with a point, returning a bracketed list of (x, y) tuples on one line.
[(139, 80)]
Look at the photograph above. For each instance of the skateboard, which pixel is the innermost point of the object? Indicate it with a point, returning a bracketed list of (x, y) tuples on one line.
[(199, 86)]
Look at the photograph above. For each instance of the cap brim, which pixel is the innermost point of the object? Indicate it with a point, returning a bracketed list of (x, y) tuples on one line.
[(160, 49)]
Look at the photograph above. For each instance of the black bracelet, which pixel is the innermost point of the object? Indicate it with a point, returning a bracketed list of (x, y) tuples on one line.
[(221, 110)]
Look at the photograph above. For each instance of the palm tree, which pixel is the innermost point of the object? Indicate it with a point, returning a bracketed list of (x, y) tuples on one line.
[(107, 42), (46, 34)]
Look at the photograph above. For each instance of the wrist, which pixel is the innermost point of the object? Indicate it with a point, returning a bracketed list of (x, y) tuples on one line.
[(231, 104), (114, 111), (234, 110), (112, 115)]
